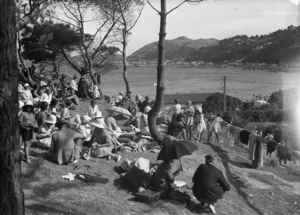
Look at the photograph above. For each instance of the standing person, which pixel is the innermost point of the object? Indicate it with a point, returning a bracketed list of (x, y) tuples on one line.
[(176, 110), (144, 121), (63, 144), (209, 183), (93, 109), (138, 101), (42, 116), (101, 141), (73, 83), (214, 127), (189, 119), (201, 126), (27, 125), (145, 103)]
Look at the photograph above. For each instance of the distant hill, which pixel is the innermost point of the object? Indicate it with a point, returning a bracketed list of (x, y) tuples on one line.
[(176, 49), (281, 46)]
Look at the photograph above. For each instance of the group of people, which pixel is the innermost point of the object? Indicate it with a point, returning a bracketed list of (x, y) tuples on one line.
[(45, 110), (186, 119)]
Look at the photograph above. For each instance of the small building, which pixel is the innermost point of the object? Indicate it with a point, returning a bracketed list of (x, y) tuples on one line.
[(196, 98)]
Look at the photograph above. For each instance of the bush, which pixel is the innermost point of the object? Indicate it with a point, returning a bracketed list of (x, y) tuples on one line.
[(215, 103), (236, 118)]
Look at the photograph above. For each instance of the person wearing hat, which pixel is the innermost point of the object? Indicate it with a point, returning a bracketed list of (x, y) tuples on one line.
[(101, 141), (209, 183), (119, 98), (63, 146), (26, 93), (189, 119), (27, 125), (45, 132)]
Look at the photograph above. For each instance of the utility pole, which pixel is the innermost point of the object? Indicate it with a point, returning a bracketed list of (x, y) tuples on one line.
[(224, 94)]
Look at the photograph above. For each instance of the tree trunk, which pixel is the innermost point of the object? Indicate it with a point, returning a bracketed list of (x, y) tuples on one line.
[(125, 73), (11, 194), (160, 88)]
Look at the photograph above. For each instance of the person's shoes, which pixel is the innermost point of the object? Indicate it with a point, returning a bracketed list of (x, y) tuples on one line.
[(119, 158), (75, 161), (108, 158), (212, 208)]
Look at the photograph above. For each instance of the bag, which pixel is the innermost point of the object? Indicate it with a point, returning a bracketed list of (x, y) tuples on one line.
[(147, 196), (136, 177)]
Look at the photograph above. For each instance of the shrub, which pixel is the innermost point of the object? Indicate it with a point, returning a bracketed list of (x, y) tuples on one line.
[(215, 103)]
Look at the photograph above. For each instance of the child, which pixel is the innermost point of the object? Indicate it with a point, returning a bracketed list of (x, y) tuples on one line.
[(214, 128), (27, 124)]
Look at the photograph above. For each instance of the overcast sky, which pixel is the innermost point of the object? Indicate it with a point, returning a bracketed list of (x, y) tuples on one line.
[(216, 19)]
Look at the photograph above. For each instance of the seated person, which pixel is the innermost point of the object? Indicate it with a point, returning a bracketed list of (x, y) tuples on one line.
[(165, 177), (65, 115), (93, 109), (42, 116), (111, 123), (73, 98), (209, 183), (63, 144), (45, 132), (177, 128), (101, 141), (95, 92)]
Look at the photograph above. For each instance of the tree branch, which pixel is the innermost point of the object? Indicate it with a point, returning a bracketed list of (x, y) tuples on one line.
[(185, 1), (153, 7)]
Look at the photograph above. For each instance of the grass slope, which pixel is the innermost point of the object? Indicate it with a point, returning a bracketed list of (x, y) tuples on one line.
[(269, 190)]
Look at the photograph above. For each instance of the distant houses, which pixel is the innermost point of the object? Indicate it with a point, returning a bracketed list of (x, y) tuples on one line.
[(196, 98)]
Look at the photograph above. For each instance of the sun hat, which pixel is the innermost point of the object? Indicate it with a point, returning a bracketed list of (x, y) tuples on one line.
[(147, 109), (199, 109), (51, 119), (28, 103), (85, 119), (98, 115), (99, 123), (26, 85)]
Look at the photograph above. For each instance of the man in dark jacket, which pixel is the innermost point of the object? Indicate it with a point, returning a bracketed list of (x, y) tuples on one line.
[(209, 183)]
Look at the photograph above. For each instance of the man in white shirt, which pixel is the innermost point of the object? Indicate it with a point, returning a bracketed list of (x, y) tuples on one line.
[(176, 110)]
